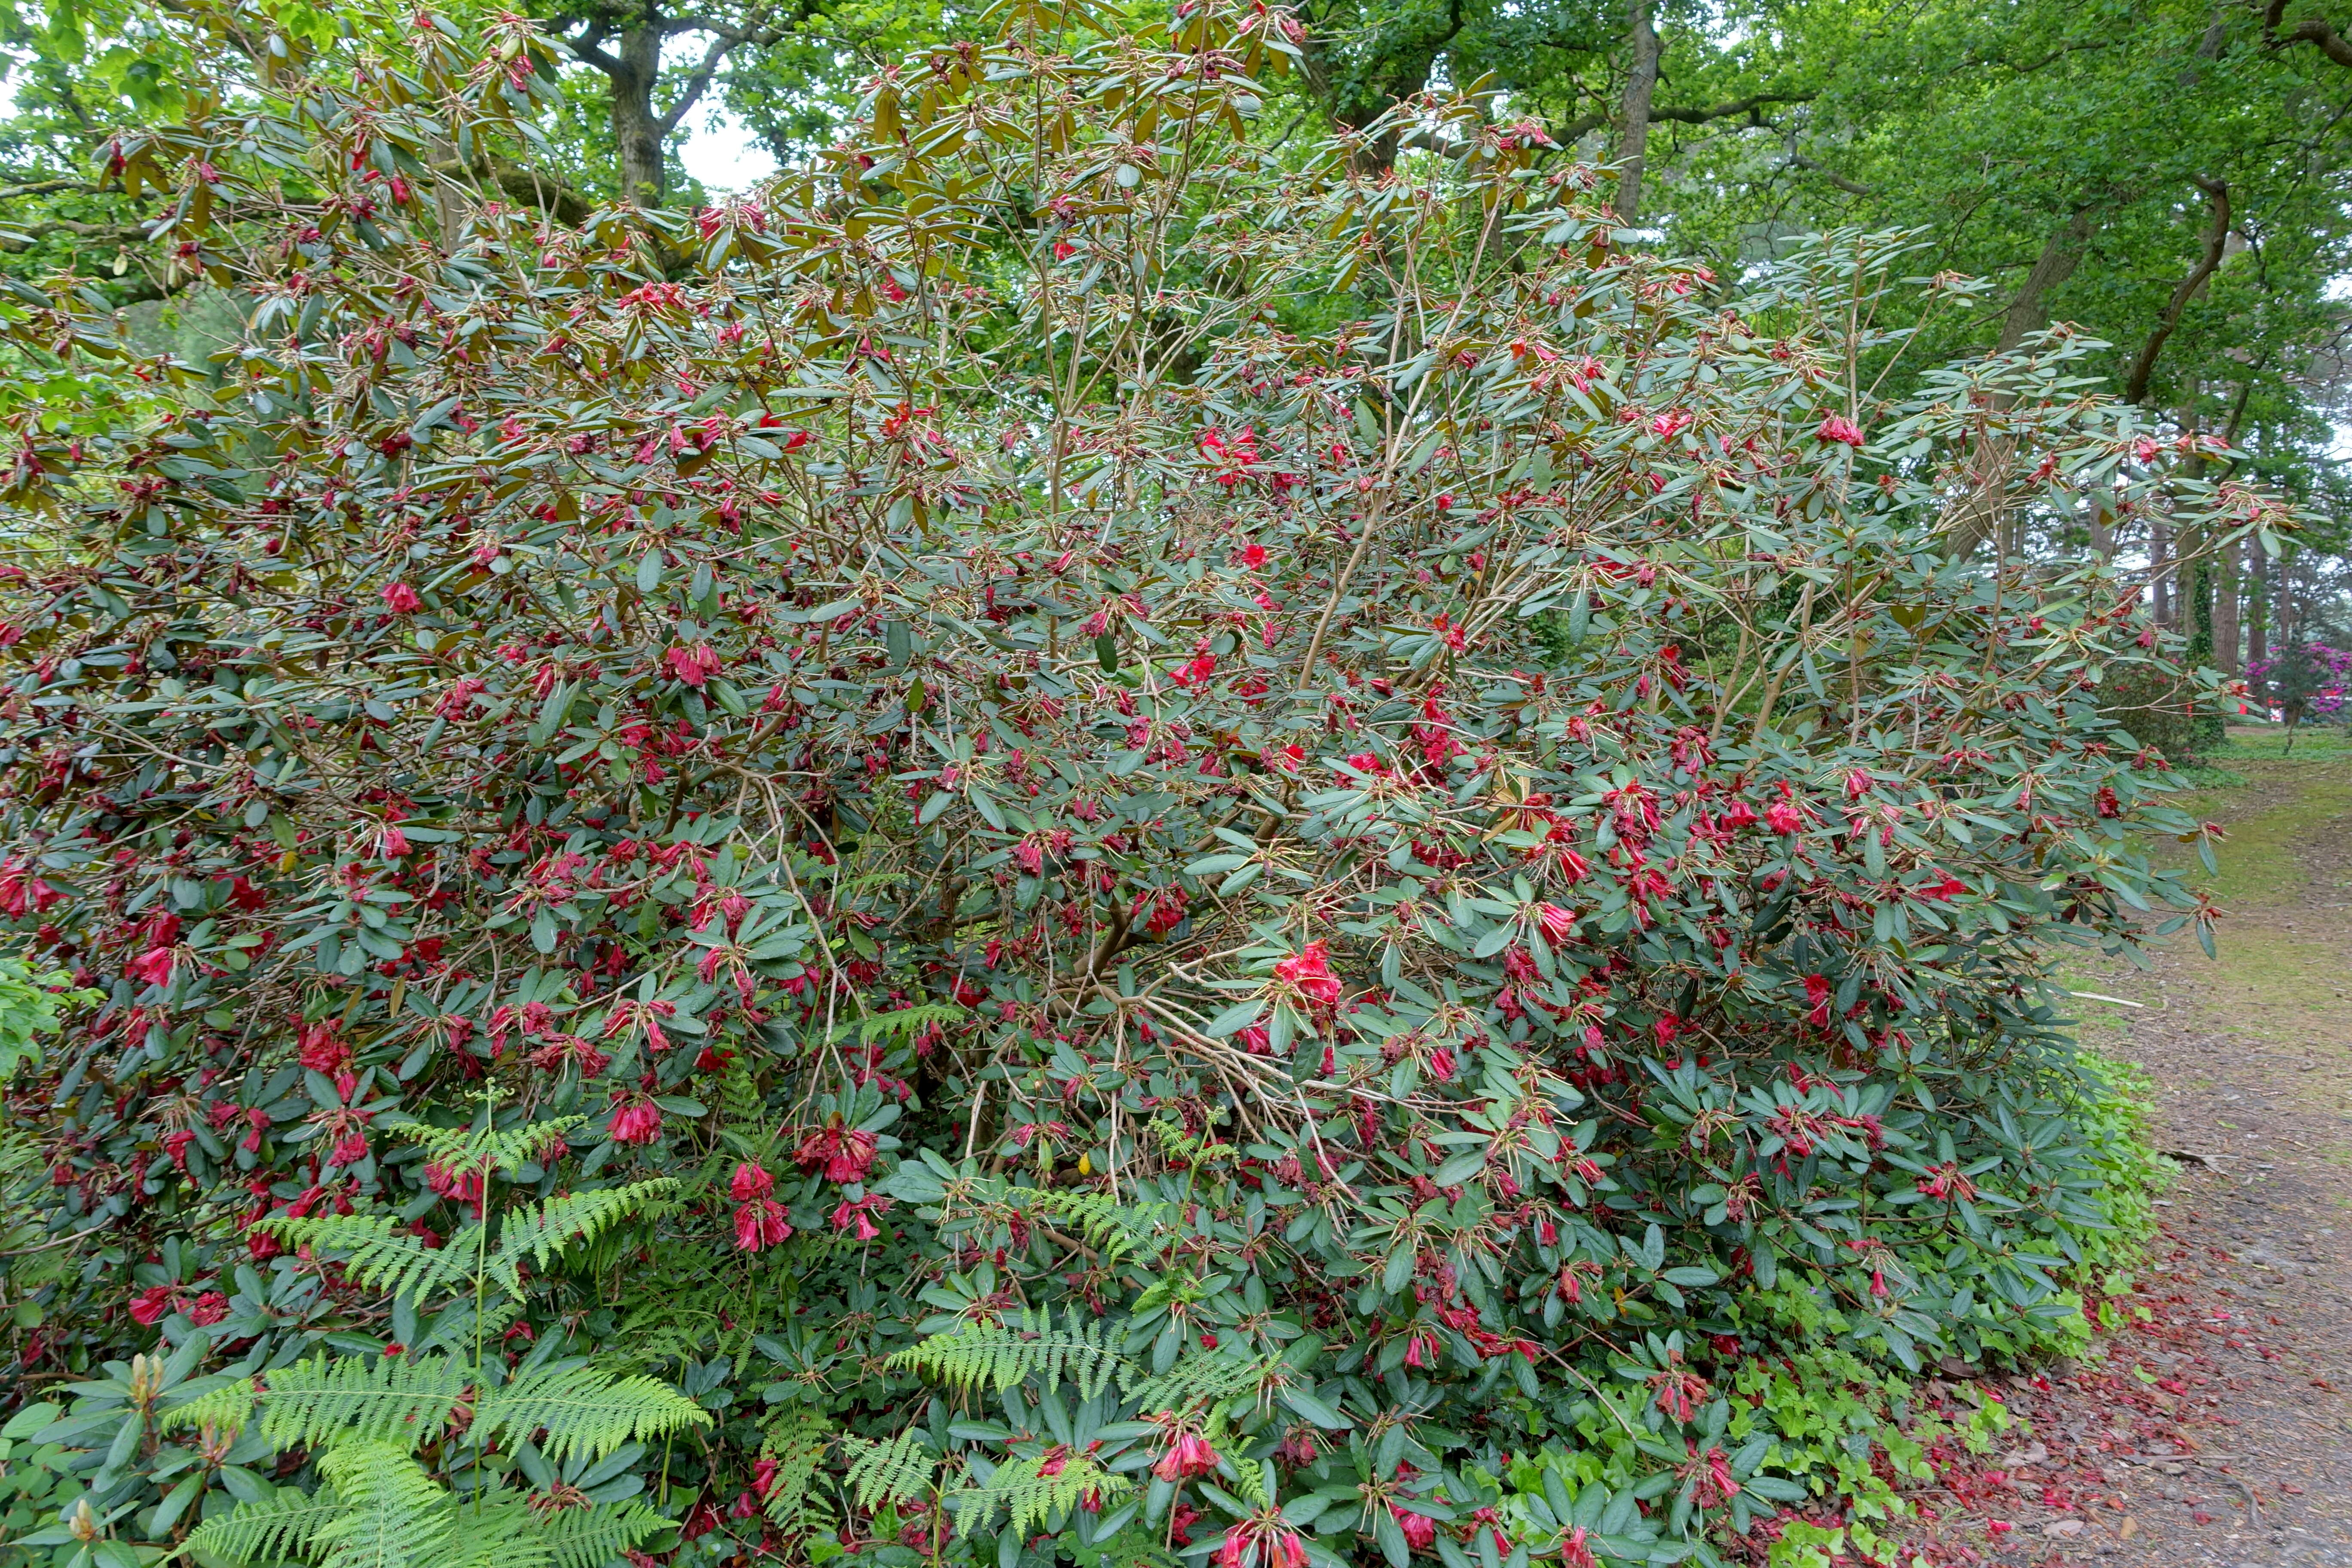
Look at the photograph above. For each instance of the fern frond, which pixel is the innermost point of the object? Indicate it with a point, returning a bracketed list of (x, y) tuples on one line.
[(592, 1536), (902, 1024), (323, 1403), (892, 1472), (1196, 1380), (1114, 1227), (228, 1407), (454, 1327), (585, 1411), (539, 1231), (796, 1445), (1001, 1354), (1031, 1495), (1250, 1483), (380, 1253), (475, 1148), (285, 1524), (394, 1515)]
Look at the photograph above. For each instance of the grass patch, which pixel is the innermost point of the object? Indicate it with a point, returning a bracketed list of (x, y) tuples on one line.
[(2275, 807), (2315, 743)]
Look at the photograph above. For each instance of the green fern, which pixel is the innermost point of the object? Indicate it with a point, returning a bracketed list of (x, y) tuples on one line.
[(1020, 1487), (999, 1355), (1197, 1380), (459, 1327), (796, 1442), (475, 1147), (903, 1023), (1182, 1147), (393, 1511), (892, 1472), (592, 1536), (690, 1303), (404, 1400), (378, 1251), (578, 1410), (1113, 1228), (283, 1525), (364, 1420), (379, 1508), (539, 1231)]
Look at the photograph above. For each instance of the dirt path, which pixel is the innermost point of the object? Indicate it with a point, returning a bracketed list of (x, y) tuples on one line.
[(2219, 1430)]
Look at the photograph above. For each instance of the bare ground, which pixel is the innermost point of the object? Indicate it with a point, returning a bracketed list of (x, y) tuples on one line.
[(2216, 1428)]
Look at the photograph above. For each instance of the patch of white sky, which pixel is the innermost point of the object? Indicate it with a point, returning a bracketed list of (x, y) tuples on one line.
[(720, 153)]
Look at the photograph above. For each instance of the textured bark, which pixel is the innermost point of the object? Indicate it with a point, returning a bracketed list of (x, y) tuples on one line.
[(2226, 621), (2159, 570), (637, 131), (1851, 187), (2217, 240), (1977, 518), (2311, 30), (2258, 613), (2103, 530), (1641, 88), (2028, 310), (625, 44)]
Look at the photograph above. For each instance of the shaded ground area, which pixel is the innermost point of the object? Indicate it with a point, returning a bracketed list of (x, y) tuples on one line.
[(2216, 1428)]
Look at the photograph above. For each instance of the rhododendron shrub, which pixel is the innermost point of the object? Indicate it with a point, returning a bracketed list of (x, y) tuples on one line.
[(1347, 849)]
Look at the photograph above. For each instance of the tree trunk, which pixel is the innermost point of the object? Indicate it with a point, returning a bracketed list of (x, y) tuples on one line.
[(2159, 570), (2225, 611), (2103, 528), (2258, 616), (636, 129), (1981, 516), (1354, 107), (2028, 312), (2217, 245), (1641, 88)]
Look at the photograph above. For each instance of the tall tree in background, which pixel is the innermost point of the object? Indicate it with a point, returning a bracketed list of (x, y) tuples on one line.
[(624, 42)]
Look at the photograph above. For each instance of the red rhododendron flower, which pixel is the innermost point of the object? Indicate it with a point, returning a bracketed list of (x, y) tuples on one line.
[(761, 1223), (1308, 972), (1837, 429), (400, 598), (695, 666), (1419, 1530), (1256, 1544), (844, 1153), (752, 1181), (1189, 1456), (637, 1121), (1678, 1393), (323, 1050), (857, 1217)]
